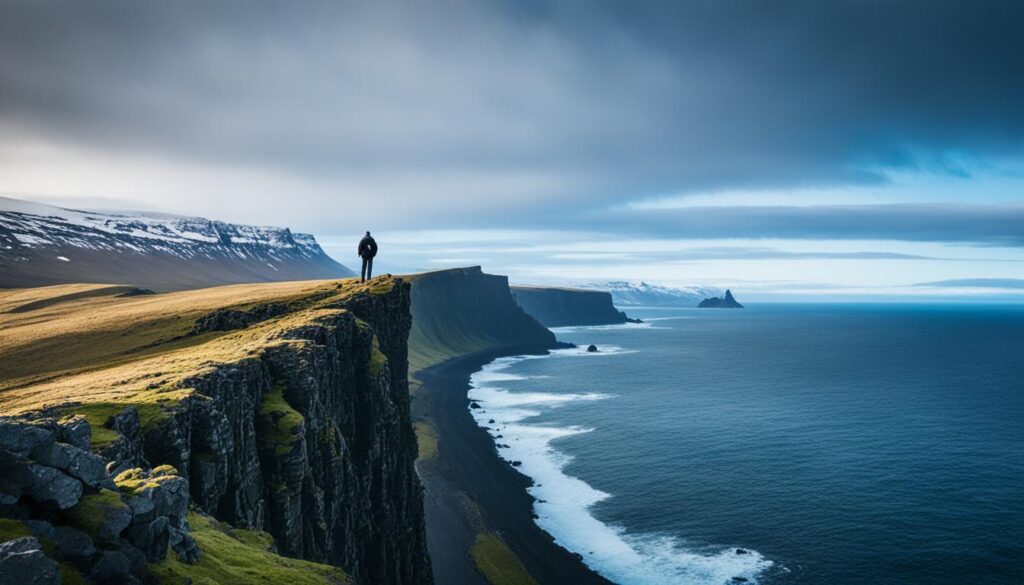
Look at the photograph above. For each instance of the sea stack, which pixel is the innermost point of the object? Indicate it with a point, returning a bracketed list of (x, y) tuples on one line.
[(727, 302)]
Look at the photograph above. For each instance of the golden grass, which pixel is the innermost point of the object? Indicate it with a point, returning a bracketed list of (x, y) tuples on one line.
[(110, 352), (498, 563)]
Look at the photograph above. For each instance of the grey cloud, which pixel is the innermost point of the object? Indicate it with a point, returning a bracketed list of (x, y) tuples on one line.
[(594, 101), (996, 225), (998, 283)]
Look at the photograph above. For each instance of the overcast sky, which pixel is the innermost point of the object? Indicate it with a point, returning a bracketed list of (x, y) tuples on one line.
[(766, 145)]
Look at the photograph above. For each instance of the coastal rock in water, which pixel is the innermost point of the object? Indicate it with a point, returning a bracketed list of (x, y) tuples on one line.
[(728, 302), (592, 349)]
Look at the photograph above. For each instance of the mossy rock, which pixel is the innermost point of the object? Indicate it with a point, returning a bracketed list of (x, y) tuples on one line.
[(279, 425), (231, 556), (99, 415), (377, 359), (102, 515), (133, 481)]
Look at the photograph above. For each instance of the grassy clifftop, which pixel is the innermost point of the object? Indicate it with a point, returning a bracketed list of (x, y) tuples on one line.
[(277, 402)]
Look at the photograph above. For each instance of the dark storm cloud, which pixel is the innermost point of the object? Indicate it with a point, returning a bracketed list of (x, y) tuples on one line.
[(994, 225), (585, 102)]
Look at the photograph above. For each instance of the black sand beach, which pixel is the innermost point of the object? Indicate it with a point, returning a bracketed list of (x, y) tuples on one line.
[(468, 487)]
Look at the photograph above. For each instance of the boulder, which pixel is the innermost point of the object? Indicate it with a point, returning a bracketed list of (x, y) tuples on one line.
[(103, 515), (52, 486), (15, 476), (22, 562), (111, 567), (71, 544), (168, 493), (151, 538), (89, 468), (75, 431), (185, 546), (126, 451), (591, 349), (21, 438), (143, 510)]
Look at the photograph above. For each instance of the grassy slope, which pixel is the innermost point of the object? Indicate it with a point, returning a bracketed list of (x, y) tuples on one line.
[(102, 349), (233, 556), (86, 344)]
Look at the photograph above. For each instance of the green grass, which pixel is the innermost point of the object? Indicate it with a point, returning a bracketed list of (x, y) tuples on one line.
[(235, 556), (98, 413), (498, 563), (70, 575), (426, 438), (279, 424), (11, 529), (377, 359)]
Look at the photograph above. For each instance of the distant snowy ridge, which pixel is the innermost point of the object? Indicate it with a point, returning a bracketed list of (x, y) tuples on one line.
[(102, 245), (35, 224), (633, 294)]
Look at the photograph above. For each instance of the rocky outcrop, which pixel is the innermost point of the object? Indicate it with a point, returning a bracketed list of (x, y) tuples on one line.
[(93, 524), (727, 302), (560, 307), (307, 437)]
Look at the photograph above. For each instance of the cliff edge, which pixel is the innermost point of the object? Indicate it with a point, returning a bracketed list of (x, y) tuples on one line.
[(560, 307), (279, 413)]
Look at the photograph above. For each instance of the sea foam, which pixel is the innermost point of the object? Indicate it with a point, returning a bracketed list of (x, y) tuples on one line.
[(563, 503)]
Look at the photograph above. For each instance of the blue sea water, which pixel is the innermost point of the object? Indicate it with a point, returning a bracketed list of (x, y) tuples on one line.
[(782, 444)]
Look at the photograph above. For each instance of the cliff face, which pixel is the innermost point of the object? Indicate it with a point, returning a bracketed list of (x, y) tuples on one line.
[(462, 311), (304, 433), (559, 307)]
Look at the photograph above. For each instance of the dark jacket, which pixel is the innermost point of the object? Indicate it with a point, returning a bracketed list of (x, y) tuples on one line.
[(367, 247)]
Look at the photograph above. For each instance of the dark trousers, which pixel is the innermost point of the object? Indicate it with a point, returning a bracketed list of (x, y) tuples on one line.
[(367, 268)]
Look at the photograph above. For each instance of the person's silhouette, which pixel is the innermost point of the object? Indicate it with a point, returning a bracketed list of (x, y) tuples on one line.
[(367, 250)]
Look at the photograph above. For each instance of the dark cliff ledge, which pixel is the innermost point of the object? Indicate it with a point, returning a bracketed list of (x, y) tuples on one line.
[(560, 307), (463, 311), (727, 302), (296, 424)]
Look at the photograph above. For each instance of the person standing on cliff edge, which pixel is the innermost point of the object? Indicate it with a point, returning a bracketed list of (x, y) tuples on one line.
[(367, 250)]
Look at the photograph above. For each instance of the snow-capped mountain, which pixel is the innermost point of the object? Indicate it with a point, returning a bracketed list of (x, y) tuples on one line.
[(633, 294), (42, 245)]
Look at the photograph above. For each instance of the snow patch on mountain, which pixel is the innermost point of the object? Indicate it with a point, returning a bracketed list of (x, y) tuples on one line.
[(633, 294), (36, 224), (135, 247)]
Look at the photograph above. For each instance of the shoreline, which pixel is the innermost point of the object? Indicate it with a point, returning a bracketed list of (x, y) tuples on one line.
[(469, 489)]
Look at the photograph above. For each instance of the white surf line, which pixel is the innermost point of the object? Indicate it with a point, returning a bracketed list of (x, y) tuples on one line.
[(563, 503)]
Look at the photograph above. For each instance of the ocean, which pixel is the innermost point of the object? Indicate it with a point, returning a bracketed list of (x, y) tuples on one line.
[(780, 444)]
